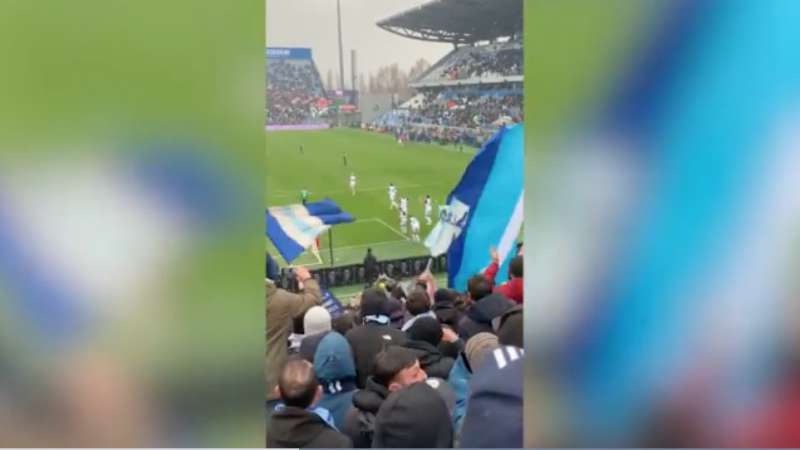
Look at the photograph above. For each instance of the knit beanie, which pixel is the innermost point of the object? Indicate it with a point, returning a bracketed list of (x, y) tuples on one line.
[(426, 329), (478, 347), (316, 320)]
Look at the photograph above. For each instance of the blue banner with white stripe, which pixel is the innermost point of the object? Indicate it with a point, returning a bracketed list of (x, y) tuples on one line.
[(293, 228), (332, 304), (484, 209)]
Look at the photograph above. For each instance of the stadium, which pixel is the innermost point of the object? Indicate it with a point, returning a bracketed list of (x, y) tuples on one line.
[(453, 108), (394, 270)]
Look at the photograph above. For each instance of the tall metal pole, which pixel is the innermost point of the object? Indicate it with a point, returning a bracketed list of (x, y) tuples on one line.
[(330, 243), (341, 54)]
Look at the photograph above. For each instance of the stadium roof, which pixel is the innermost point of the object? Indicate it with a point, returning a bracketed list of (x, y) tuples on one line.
[(458, 21)]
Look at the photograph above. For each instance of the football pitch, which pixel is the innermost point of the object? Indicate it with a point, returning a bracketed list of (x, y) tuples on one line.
[(416, 169)]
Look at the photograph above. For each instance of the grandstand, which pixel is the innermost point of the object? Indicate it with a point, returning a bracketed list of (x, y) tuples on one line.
[(295, 95), (475, 88)]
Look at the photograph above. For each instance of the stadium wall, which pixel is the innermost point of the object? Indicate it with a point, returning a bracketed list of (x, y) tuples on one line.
[(320, 126), (373, 105)]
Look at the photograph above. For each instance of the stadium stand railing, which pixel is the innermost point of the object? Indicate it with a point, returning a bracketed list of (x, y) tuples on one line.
[(353, 274)]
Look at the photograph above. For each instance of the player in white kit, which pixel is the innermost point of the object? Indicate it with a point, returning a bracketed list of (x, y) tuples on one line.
[(414, 228), (353, 183), (404, 204), (428, 210), (403, 221), (392, 196)]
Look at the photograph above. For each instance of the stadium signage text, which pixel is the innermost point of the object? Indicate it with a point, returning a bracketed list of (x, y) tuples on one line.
[(288, 53)]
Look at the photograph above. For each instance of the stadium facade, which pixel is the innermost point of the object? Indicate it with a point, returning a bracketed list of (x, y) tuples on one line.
[(477, 87), (295, 97)]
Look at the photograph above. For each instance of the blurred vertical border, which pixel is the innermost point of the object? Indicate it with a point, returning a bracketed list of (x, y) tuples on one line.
[(131, 167), (662, 224)]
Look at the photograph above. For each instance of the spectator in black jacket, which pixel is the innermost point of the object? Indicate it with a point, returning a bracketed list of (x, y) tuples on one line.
[(413, 417), (374, 335), (418, 306), (370, 267), (444, 306), (296, 423), (480, 314), (424, 339), (394, 368)]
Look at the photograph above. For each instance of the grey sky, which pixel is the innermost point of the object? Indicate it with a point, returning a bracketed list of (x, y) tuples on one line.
[(312, 23)]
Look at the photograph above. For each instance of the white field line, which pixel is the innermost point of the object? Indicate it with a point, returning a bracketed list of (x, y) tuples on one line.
[(373, 244), (285, 193), (398, 232), (324, 251)]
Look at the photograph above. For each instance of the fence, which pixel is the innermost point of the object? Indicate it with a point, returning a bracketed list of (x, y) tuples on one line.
[(356, 273)]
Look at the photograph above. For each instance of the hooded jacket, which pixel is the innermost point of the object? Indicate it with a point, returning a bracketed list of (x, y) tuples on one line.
[(415, 416), (298, 428), (336, 372), (480, 314), (431, 359), (359, 424)]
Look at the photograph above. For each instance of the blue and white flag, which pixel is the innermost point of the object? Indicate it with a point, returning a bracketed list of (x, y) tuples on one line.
[(294, 228), (483, 210), (331, 303)]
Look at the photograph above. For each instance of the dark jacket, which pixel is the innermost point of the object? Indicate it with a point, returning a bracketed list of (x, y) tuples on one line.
[(370, 267), (494, 407), (451, 349), (480, 314), (297, 428), (431, 359), (367, 341), (359, 424), (415, 416), (336, 372), (309, 344), (447, 313)]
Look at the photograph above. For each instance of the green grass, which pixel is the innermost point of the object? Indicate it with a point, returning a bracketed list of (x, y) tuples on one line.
[(377, 160)]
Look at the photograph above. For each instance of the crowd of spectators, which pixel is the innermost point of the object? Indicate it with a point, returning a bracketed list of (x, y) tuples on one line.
[(409, 367), (468, 110), (462, 117), (478, 62), (293, 90)]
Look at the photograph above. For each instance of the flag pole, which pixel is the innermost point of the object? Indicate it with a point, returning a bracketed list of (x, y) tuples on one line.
[(330, 243)]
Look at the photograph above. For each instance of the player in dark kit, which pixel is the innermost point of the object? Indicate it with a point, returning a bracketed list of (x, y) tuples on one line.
[(301, 149), (344, 159), (304, 196)]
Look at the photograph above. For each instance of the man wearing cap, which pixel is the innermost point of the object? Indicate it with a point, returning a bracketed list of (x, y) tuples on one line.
[(494, 408)]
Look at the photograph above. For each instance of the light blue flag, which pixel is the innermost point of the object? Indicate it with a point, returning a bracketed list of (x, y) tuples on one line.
[(293, 228), (483, 210)]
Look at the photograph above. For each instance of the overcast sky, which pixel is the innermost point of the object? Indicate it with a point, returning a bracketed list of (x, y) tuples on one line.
[(312, 23)]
